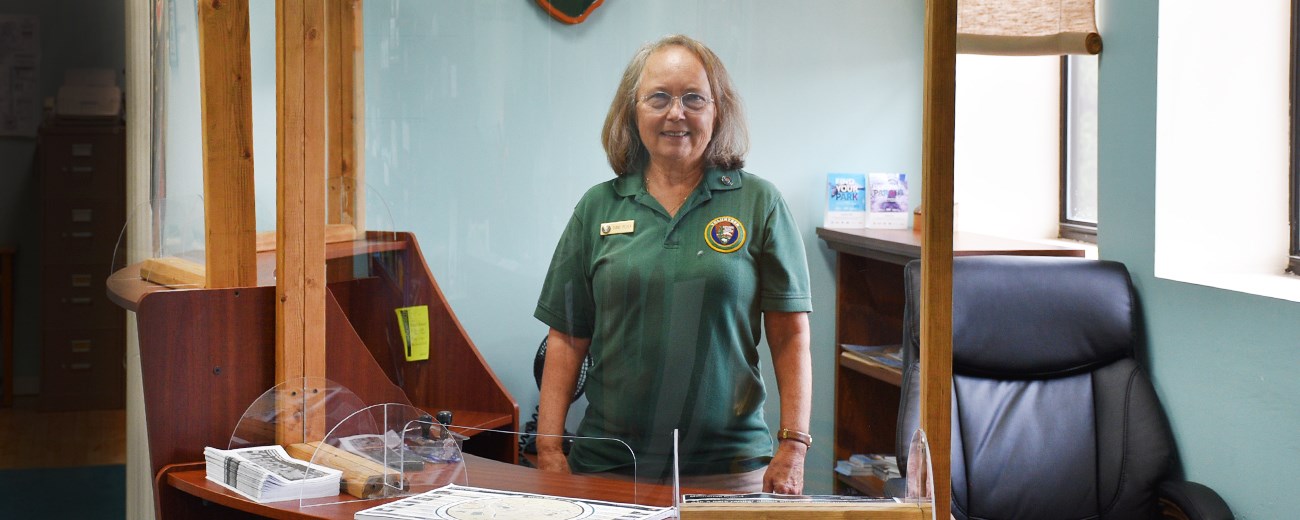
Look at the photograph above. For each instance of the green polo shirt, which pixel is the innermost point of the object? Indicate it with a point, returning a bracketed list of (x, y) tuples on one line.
[(673, 308)]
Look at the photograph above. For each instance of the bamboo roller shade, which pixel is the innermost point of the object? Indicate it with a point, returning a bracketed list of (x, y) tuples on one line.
[(1027, 27)]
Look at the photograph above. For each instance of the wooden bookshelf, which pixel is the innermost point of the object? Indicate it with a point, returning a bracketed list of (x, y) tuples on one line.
[(869, 311)]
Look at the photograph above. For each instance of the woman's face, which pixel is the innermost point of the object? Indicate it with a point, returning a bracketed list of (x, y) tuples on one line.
[(675, 137)]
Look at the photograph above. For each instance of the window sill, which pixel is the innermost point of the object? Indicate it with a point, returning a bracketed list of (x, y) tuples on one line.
[(1089, 248), (1281, 286)]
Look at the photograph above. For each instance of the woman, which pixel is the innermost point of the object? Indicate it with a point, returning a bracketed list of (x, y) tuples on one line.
[(662, 275)]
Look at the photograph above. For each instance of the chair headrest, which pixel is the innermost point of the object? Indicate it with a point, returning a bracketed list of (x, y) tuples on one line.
[(1039, 317)]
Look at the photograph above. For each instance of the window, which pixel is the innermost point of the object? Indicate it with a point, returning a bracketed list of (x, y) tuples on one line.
[(1223, 150), (1078, 200), (1293, 263), (1026, 146)]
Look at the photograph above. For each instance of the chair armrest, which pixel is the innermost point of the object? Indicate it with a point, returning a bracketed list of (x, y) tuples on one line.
[(1191, 501)]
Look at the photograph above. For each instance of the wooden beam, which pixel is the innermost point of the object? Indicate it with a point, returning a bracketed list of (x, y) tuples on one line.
[(936, 251), (300, 204), (346, 177), (334, 233), (226, 90), (172, 272)]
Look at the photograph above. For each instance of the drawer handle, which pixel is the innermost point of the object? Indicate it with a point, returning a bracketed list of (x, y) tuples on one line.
[(79, 234), (81, 280), (80, 169), (78, 300), (79, 366)]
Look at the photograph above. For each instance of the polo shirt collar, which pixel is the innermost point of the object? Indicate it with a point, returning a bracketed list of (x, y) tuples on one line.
[(633, 183)]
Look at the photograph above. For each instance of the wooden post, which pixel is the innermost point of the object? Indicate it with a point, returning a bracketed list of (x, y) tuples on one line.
[(344, 58), (936, 250), (226, 87), (300, 202)]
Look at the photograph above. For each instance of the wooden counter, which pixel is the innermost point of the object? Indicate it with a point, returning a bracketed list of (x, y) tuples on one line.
[(207, 354)]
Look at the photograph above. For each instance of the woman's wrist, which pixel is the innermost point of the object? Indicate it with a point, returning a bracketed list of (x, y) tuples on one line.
[(795, 436), (549, 445)]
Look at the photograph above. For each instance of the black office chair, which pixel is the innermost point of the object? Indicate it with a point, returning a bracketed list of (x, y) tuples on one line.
[(1052, 416)]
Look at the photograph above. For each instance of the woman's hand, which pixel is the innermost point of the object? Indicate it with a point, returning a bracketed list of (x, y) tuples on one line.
[(785, 473)]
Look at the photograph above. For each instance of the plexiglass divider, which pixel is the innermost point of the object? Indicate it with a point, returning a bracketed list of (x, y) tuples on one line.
[(920, 470), (390, 450), (174, 227)]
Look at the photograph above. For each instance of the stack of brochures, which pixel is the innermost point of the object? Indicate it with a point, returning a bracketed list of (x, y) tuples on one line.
[(888, 356), (269, 474), (883, 467)]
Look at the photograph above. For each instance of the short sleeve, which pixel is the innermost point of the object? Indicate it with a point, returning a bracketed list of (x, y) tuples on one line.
[(783, 265), (566, 301)]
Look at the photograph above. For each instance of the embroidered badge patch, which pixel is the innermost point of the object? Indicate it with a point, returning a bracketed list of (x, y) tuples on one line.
[(725, 234)]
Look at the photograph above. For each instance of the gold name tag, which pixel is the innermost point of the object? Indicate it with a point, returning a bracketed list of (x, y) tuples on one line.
[(617, 228)]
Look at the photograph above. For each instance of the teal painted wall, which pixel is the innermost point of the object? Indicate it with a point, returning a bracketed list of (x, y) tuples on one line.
[(1223, 362)]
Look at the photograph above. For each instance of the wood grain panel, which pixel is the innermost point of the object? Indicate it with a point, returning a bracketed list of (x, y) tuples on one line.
[(938, 132), (226, 89), (300, 185), (344, 77)]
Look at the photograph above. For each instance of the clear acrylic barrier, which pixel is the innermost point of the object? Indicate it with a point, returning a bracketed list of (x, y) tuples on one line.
[(174, 231), (920, 487), (174, 244), (386, 450)]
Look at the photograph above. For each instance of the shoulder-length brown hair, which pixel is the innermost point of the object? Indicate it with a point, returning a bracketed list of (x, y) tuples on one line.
[(621, 140)]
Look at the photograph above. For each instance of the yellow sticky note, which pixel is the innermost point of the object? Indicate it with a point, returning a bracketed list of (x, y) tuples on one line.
[(414, 323)]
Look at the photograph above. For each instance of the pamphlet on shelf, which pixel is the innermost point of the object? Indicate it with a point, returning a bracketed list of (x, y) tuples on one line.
[(887, 203), (890, 356), (846, 200), (453, 502), (268, 474), (849, 469), (881, 466)]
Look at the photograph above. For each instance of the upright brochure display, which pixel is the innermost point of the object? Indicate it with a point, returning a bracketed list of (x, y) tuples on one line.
[(886, 201), (846, 200)]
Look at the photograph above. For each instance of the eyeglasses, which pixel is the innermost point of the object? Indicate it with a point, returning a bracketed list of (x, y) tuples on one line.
[(661, 101)]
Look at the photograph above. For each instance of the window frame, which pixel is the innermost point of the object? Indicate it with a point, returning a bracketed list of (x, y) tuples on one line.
[(1069, 228), (1293, 260)]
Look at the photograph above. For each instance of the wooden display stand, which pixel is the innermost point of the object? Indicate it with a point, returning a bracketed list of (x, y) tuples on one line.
[(207, 354), (869, 311)]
